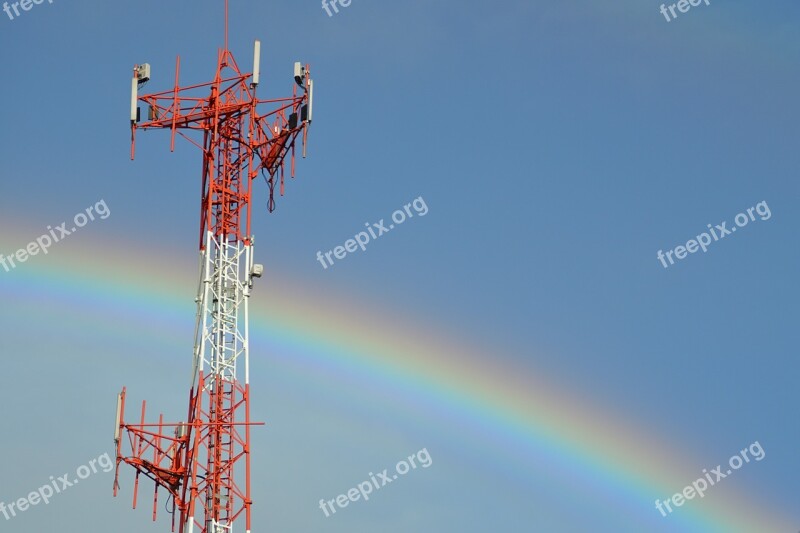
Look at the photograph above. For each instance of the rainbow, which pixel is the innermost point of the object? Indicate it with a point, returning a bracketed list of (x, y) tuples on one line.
[(529, 416)]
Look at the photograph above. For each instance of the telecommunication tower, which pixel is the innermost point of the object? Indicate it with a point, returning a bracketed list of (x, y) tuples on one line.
[(203, 464)]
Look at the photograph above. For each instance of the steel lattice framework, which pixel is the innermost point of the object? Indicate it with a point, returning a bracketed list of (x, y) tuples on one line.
[(198, 461)]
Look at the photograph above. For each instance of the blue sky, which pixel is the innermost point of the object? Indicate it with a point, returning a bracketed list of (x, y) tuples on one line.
[(558, 147)]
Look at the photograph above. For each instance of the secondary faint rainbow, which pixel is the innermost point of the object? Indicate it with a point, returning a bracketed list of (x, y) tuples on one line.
[(524, 411)]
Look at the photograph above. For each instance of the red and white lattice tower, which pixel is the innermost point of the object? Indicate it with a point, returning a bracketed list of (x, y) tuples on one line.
[(203, 464)]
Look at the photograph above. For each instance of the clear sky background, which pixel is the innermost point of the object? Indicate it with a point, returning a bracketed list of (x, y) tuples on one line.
[(558, 147)]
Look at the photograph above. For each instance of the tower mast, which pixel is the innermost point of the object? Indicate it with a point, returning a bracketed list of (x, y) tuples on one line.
[(203, 464)]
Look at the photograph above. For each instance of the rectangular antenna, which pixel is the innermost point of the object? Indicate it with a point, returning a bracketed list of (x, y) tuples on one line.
[(256, 63), (310, 100), (119, 419), (134, 97)]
